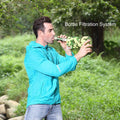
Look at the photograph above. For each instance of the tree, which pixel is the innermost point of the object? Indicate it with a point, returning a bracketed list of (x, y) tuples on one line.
[(17, 16), (101, 14), (93, 17)]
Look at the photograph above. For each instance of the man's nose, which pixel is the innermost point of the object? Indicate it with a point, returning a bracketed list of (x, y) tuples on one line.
[(53, 32)]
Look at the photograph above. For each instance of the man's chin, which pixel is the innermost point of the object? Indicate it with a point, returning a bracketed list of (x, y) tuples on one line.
[(52, 42)]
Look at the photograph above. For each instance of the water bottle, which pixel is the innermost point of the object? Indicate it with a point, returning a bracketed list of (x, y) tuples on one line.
[(74, 42)]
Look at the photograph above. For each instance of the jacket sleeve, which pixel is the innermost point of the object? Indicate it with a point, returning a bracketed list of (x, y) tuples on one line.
[(41, 64), (61, 58)]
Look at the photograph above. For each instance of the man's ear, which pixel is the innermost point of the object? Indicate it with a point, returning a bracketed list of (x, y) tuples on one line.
[(40, 32)]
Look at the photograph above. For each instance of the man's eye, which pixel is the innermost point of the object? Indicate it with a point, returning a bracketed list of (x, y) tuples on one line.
[(50, 30)]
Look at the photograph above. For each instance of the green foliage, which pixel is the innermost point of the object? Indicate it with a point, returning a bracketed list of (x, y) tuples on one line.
[(71, 18), (13, 44), (98, 11), (12, 74), (113, 34), (90, 92), (112, 43), (22, 107), (67, 13), (114, 3), (3, 86), (8, 66), (89, 11), (112, 48), (17, 16), (18, 86)]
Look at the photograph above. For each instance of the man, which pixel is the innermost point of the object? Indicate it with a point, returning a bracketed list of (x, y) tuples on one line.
[(44, 65)]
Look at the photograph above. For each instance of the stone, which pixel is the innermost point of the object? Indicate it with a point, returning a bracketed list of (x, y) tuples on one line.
[(10, 112), (8, 108), (2, 117), (2, 109), (3, 99), (17, 118), (11, 104)]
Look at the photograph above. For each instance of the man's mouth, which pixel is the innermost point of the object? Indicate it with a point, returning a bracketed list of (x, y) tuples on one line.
[(53, 38)]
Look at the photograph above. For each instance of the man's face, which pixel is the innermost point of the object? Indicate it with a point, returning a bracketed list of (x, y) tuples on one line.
[(48, 34)]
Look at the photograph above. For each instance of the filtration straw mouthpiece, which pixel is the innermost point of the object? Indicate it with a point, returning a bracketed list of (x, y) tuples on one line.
[(61, 39)]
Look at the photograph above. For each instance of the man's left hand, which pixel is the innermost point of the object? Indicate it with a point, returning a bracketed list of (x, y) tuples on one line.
[(64, 45)]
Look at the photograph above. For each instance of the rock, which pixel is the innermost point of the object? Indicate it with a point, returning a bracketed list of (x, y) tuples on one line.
[(3, 99), (17, 118), (2, 109), (11, 104), (10, 112), (2, 117), (8, 108)]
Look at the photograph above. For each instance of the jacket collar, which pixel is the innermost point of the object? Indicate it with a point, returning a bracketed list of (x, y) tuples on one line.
[(35, 45)]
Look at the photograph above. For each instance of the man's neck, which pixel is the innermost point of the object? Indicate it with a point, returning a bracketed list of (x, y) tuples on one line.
[(41, 41)]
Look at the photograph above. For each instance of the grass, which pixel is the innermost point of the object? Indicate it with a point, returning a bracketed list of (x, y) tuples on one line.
[(112, 43), (113, 35), (91, 92)]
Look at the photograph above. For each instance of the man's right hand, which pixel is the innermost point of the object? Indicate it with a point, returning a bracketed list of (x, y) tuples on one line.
[(84, 50)]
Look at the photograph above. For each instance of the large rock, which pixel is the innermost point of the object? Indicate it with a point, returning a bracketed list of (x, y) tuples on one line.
[(11, 104), (3, 99), (2, 109), (17, 118)]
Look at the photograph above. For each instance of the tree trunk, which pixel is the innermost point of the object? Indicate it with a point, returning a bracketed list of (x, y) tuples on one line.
[(97, 34)]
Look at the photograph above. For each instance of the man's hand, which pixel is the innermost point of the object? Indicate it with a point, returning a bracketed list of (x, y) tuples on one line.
[(64, 45), (84, 50)]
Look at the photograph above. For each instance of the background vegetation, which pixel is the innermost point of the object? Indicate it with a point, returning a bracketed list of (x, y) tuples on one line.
[(16, 17), (92, 91)]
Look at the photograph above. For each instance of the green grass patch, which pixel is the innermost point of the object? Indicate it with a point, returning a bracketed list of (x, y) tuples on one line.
[(92, 91), (113, 34)]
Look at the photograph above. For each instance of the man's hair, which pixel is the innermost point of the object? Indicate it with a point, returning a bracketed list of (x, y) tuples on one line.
[(39, 24)]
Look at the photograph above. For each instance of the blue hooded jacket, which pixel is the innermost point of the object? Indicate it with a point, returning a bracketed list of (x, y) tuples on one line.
[(44, 65)]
